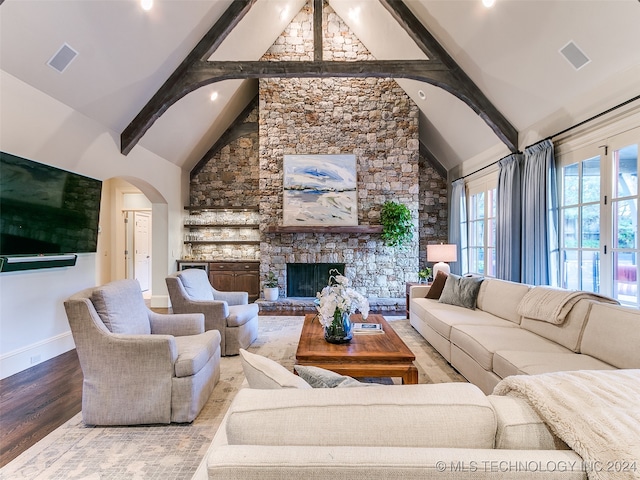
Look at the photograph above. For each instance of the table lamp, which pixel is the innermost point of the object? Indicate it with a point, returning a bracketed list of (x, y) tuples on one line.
[(442, 253)]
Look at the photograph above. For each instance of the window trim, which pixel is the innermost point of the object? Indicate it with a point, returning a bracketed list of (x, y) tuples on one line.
[(474, 187)]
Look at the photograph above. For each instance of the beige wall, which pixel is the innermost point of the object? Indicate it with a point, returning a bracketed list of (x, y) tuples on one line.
[(33, 326)]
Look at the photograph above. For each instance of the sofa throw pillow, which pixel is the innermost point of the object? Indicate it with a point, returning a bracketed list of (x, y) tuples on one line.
[(461, 291), (263, 373), (320, 378), (437, 286), (121, 307), (196, 283)]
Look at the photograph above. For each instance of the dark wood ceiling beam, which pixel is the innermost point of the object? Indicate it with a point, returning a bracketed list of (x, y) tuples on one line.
[(467, 89), (202, 51), (205, 73), (317, 30), (239, 128)]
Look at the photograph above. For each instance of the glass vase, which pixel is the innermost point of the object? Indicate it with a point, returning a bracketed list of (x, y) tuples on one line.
[(339, 330)]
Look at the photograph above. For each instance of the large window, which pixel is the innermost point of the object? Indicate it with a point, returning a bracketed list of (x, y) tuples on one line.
[(599, 218), (482, 226)]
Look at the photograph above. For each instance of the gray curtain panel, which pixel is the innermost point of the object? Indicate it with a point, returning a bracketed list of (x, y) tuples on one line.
[(539, 216), (458, 226), (509, 218)]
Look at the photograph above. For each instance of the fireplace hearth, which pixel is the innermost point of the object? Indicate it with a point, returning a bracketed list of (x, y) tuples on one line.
[(307, 279)]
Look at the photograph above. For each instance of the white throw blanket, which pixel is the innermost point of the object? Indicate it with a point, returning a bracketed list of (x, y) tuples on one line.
[(596, 413), (552, 304)]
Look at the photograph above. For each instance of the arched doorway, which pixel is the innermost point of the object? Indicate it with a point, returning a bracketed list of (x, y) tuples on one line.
[(129, 244)]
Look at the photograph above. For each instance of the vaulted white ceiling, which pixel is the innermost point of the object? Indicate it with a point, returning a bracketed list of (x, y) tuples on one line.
[(511, 52)]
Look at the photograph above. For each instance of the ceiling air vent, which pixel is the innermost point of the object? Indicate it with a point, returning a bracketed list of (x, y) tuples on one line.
[(63, 57), (574, 55)]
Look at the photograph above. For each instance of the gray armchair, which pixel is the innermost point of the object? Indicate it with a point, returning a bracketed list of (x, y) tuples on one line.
[(228, 312), (140, 367)]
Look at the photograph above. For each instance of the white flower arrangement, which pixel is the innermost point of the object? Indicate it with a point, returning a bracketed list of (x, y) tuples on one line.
[(339, 296)]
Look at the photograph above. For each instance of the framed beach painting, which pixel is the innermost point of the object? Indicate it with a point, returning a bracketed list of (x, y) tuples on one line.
[(320, 190)]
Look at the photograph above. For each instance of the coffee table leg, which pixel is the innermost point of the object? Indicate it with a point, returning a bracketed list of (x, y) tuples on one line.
[(410, 376)]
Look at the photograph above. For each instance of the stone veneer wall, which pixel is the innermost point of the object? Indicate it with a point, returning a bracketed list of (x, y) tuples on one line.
[(371, 118), (433, 220), (231, 177)]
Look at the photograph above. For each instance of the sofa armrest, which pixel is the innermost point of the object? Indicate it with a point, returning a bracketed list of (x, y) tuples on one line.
[(232, 298), (418, 291), (176, 324), (520, 427)]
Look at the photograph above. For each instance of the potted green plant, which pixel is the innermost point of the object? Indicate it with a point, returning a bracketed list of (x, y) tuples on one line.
[(397, 225), (271, 289), (424, 274)]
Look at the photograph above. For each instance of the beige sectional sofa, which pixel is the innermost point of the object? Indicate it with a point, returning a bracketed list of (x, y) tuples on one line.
[(456, 430), (449, 431), (494, 341)]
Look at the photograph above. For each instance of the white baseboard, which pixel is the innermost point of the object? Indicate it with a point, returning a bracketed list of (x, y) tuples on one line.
[(26, 357), (160, 301)]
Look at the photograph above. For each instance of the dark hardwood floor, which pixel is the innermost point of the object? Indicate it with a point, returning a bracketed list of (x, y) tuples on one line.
[(36, 401)]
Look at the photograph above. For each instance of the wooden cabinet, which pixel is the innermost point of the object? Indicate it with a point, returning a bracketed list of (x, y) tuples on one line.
[(236, 277)]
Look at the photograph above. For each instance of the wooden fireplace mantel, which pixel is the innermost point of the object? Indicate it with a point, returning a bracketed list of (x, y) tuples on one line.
[(363, 229)]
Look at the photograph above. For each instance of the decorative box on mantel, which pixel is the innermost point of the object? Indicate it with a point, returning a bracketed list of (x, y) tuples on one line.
[(363, 229)]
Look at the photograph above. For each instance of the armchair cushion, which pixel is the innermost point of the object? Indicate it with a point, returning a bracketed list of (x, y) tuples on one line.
[(232, 298), (176, 324), (196, 283), (194, 351), (121, 307), (241, 314)]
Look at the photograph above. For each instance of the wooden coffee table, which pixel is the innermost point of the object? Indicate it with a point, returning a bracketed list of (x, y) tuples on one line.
[(370, 355)]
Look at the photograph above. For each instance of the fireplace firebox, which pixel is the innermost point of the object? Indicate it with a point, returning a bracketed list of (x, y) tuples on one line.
[(307, 279)]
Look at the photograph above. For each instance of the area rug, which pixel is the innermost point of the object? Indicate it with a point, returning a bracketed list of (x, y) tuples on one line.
[(75, 451)]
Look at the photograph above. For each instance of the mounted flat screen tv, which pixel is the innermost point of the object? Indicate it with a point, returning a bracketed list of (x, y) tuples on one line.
[(45, 210)]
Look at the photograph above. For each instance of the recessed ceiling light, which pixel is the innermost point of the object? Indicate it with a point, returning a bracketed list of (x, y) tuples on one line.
[(421, 94), (354, 13), (284, 13), (146, 4), (214, 96), (488, 3)]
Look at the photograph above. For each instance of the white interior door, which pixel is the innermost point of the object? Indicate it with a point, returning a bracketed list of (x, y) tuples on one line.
[(142, 249)]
